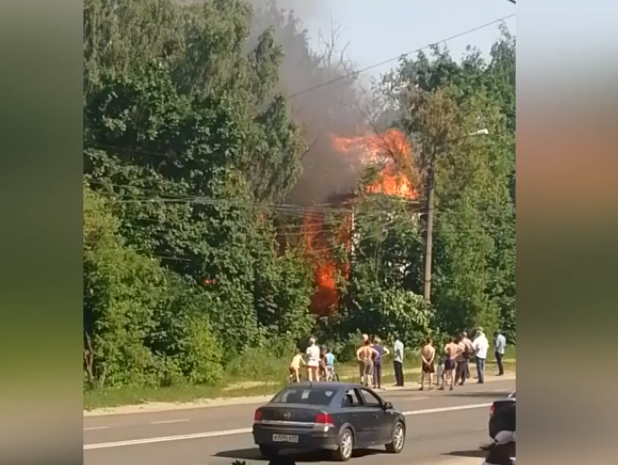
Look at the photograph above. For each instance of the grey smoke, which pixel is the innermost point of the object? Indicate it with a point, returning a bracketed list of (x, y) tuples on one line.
[(322, 112)]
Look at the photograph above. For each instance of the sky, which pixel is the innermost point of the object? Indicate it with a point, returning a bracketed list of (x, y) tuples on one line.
[(376, 30)]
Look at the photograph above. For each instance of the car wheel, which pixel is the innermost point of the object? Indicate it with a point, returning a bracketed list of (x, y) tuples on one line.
[(268, 452), (398, 439), (346, 446)]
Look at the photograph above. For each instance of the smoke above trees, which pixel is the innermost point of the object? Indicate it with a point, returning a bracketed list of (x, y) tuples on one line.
[(323, 110)]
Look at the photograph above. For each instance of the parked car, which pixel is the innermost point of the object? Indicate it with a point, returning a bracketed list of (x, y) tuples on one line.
[(337, 417), (502, 416)]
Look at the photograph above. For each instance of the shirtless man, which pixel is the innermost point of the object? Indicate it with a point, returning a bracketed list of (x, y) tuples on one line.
[(428, 355), (450, 352), (365, 355)]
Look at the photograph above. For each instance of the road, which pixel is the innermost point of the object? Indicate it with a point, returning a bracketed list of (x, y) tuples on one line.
[(441, 425)]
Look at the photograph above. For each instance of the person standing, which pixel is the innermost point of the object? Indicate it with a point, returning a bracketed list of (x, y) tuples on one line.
[(322, 369), (381, 352), (361, 364), (469, 352), (313, 360), (461, 361), (297, 361), (450, 352), (398, 361), (365, 355), (330, 365), (428, 355), (500, 345), (480, 346)]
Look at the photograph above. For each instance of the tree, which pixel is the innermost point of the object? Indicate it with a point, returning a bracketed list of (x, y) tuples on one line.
[(440, 101), (142, 324), (191, 142)]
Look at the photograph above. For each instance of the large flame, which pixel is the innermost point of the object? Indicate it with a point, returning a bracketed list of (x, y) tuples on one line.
[(391, 150), (325, 270)]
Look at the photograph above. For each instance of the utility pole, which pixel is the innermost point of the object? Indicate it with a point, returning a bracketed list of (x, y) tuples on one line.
[(431, 184), (429, 227)]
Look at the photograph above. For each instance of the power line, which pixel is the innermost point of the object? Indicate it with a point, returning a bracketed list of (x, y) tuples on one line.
[(398, 57)]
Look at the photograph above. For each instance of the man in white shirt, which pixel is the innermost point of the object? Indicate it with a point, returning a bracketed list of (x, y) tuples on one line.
[(500, 344), (398, 362), (480, 346)]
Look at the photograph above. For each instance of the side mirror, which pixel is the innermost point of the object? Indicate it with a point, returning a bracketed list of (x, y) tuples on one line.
[(388, 406)]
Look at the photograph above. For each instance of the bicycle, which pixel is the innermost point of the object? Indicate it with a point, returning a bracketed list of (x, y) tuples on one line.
[(331, 375), (292, 378)]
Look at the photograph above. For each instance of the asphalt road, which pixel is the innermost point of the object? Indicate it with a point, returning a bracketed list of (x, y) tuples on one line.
[(441, 425)]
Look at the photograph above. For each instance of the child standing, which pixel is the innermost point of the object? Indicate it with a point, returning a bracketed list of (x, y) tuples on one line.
[(440, 370), (297, 361), (330, 365)]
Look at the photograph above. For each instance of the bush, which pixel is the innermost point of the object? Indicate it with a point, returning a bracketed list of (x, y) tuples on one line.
[(200, 355), (261, 363)]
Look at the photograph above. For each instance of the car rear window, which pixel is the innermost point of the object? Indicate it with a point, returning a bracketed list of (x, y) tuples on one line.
[(309, 396)]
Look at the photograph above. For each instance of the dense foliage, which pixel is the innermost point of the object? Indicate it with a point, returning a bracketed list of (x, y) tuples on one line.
[(192, 154)]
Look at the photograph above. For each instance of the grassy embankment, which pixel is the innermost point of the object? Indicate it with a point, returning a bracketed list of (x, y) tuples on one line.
[(257, 376)]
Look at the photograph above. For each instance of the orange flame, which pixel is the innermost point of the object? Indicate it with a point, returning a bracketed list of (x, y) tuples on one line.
[(316, 234), (390, 149)]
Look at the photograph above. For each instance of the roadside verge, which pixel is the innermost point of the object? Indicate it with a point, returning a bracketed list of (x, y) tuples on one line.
[(222, 402)]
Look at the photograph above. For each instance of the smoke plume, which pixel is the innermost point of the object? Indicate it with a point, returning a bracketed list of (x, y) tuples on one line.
[(329, 110)]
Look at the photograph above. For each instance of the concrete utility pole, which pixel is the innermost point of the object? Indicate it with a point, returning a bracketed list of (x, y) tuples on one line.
[(431, 181)]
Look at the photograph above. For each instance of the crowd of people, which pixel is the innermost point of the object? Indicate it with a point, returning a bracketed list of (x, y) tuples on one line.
[(453, 362), (319, 363), (447, 366)]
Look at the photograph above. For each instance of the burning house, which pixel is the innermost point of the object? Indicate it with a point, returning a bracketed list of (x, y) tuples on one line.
[(390, 152)]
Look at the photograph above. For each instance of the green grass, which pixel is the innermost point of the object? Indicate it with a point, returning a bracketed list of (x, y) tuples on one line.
[(256, 376)]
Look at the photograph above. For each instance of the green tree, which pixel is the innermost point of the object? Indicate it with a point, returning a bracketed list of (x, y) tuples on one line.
[(188, 139), (380, 299), (439, 102), (142, 324)]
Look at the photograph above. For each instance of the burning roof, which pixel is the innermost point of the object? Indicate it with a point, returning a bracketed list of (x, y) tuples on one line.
[(389, 151)]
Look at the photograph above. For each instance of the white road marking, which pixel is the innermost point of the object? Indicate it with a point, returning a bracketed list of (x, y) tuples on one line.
[(92, 428), (445, 409), (166, 422), (135, 442), (231, 432)]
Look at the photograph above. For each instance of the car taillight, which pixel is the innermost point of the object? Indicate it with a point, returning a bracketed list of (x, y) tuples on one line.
[(491, 410), (324, 419), (257, 417)]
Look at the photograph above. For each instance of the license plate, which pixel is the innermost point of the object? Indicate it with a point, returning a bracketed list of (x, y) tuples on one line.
[(285, 438)]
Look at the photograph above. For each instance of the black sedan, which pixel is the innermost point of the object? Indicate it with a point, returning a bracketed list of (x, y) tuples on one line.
[(337, 417), (502, 415)]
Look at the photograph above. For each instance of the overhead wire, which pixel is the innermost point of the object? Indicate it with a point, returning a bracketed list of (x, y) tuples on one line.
[(399, 57), (342, 77), (282, 209)]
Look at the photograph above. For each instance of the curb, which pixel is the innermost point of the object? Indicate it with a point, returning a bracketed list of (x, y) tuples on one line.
[(157, 407)]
